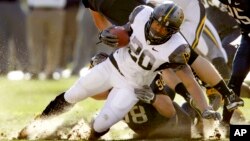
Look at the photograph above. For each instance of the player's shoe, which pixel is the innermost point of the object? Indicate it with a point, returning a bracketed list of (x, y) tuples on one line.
[(23, 134), (232, 101), (93, 136), (191, 103)]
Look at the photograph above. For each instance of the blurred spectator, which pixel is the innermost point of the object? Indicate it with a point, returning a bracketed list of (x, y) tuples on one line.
[(12, 27), (70, 32), (45, 28), (87, 37)]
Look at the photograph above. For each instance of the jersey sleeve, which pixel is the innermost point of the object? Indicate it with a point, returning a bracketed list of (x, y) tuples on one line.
[(157, 85), (180, 57)]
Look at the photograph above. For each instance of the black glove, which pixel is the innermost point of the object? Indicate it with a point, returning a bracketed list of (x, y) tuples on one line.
[(211, 114), (108, 38), (146, 94), (98, 58)]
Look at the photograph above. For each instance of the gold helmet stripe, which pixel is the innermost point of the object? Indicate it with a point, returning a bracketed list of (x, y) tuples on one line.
[(170, 11)]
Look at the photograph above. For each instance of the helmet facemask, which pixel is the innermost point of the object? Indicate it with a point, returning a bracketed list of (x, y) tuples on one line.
[(163, 23)]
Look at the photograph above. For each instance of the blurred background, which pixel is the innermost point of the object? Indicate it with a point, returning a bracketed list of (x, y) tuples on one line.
[(46, 39)]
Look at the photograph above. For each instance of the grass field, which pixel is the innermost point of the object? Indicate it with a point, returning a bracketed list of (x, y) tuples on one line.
[(21, 101)]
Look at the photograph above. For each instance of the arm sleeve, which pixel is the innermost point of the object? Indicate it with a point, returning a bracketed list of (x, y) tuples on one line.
[(157, 85)]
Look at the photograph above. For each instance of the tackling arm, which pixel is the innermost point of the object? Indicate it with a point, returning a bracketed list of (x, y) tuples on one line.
[(100, 21), (188, 79), (164, 105)]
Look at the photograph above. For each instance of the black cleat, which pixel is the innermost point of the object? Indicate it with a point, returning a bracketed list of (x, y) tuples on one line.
[(232, 101)]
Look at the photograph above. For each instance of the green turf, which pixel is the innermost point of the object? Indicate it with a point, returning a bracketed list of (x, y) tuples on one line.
[(21, 101)]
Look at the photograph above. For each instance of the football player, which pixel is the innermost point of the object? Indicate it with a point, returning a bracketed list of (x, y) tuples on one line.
[(157, 32), (156, 46), (117, 12), (145, 118), (240, 10)]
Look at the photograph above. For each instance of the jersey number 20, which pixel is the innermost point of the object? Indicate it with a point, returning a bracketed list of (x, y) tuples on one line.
[(143, 57)]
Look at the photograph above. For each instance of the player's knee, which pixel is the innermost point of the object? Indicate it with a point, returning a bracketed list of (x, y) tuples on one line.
[(105, 120), (221, 65), (94, 135), (75, 94)]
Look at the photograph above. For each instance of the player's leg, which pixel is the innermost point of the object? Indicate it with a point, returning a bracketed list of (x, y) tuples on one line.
[(215, 52), (96, 81), (118, 104), (232, 101), (241, 67), (191, 30)]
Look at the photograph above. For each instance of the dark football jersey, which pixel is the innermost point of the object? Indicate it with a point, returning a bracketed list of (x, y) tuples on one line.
[(116, 11), (224, 27), (144, 117), (240, 10)]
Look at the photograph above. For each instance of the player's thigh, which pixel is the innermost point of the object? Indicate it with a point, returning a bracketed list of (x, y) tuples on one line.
[(118, 104), (97, 80), (121, 100)]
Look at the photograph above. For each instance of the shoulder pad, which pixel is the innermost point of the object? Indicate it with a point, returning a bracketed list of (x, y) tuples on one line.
[(135, 12), (180, 55)]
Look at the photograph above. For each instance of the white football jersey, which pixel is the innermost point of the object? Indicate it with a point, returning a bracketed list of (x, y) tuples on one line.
[(140, 61)]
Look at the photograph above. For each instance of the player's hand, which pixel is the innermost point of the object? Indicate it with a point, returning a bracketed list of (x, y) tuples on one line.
[(211, 114), (108, 38), (145, 94)]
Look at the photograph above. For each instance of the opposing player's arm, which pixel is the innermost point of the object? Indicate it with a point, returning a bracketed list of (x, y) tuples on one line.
[(155, 95), (188, 79), (112, 40), (180, 57), (163, 104), (100, 21)]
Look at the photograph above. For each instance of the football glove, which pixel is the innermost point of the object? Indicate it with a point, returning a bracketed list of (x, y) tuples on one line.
[(145, 94), (98, 58), (211, 114), (108, 38)]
